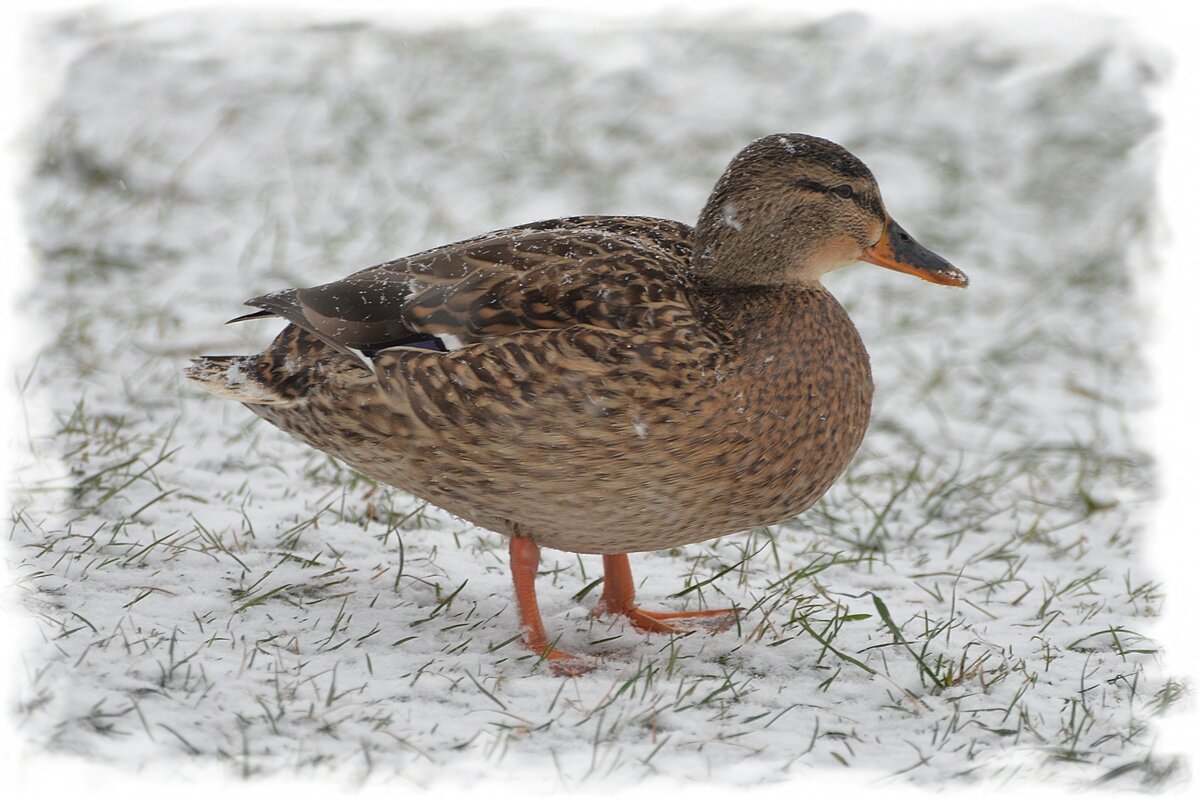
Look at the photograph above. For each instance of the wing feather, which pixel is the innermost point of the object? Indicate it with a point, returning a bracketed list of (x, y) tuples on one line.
[(614, 273)]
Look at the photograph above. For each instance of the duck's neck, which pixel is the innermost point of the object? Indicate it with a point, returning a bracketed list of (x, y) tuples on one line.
[(746, 308), (730, 252)]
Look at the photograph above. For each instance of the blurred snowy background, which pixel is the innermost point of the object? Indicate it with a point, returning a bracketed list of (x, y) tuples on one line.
[(209, 591)]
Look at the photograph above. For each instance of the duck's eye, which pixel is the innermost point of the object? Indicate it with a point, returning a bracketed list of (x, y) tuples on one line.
[(844, 191)]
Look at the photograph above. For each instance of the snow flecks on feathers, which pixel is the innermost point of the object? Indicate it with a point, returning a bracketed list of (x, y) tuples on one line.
[(729, 215)]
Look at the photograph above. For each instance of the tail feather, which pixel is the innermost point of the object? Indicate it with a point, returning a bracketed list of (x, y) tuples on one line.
[(296, 364), (236, 377)]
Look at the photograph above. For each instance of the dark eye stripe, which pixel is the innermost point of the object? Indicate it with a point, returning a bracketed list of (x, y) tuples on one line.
[(812, 186), (866, 203)]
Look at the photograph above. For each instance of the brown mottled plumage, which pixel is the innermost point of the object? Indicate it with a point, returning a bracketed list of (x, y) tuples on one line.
[(617, 384)]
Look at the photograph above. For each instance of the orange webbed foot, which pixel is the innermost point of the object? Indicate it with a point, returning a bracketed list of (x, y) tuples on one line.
[(618, 599), (713, 621)]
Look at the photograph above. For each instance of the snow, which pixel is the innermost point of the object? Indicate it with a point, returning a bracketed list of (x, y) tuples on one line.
[(211, 593)]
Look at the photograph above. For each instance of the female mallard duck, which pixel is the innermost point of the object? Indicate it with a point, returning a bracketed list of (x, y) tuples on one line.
[(601, 384)]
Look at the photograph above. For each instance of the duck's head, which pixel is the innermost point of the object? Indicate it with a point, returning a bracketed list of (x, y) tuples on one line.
[(791, 208)]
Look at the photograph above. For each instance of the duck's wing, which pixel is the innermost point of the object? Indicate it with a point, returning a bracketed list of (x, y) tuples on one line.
[(614, 273)]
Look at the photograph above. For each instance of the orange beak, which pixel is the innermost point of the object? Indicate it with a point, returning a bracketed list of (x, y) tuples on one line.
[(897, 250)]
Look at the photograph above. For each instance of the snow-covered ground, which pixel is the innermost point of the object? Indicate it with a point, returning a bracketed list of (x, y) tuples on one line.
[(969, 603)]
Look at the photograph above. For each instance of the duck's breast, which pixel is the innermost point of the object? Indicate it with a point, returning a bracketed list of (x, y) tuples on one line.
[(800, 400)]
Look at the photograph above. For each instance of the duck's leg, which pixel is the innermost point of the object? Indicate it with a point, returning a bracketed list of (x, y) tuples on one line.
[(618, 599), (523, 557)]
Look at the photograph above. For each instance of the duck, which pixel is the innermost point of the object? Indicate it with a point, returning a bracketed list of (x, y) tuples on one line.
[(601, 385)]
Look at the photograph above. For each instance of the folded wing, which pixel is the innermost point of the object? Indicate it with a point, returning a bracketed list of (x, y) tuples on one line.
[(608, 273)]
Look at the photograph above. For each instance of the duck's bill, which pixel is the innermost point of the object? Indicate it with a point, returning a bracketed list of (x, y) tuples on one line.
[(898, 250)]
